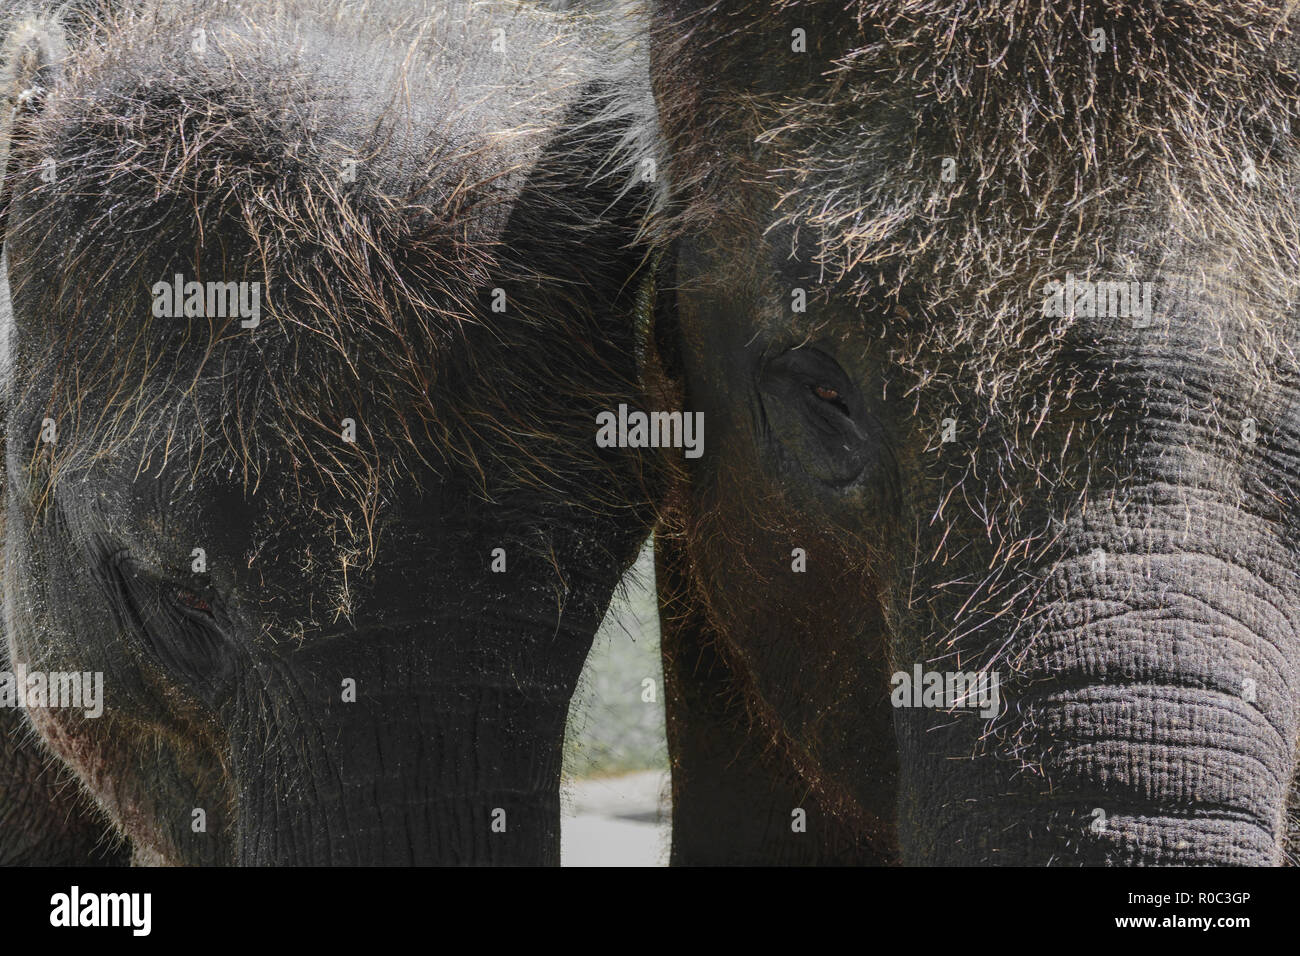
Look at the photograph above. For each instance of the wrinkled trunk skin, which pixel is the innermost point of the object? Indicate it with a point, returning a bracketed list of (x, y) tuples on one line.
[(458, 713), (1150, 718), (1141, 748), (328, 782)]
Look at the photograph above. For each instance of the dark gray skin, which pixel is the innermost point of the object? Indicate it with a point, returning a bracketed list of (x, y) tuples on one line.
[(46, 818), (327, 561), (1104, 529)]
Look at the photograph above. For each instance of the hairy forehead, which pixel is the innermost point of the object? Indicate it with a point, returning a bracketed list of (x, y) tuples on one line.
[(239, 148)]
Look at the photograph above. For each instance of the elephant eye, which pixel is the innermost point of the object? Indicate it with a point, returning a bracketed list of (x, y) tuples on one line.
[(813, 410), (194, 602), (179, 626), (831, 396)]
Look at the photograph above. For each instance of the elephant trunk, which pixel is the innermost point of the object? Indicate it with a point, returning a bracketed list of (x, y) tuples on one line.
[(407, 759), (1148, 712)]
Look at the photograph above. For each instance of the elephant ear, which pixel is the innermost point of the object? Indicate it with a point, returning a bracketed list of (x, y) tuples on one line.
[(31, 51)]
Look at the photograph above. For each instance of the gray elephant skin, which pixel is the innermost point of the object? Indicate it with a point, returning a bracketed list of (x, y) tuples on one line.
[(991, 310), (311, 316)]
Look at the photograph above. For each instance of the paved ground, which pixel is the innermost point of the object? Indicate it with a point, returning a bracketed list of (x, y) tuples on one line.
[(616, 821)]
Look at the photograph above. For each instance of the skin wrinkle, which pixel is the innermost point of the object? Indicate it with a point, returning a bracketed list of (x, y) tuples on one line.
[(1167, 602), (1257, 647), (1161, 762), (321, 767), (1060, 664)]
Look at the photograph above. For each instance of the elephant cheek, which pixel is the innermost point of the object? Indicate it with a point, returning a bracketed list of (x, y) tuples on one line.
[(793, 606)]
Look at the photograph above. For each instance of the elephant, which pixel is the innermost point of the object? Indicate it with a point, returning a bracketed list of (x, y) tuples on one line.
[(991, 310), (311, 318)]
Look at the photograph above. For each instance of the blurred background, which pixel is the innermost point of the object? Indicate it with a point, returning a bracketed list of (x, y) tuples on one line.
[(615, 794)]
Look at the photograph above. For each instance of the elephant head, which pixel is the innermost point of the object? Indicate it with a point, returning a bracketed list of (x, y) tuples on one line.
[(991, 310), (311, 321)]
